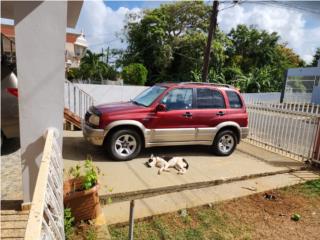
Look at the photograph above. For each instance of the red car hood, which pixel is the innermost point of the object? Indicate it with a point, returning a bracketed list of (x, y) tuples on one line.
[(119, 107)]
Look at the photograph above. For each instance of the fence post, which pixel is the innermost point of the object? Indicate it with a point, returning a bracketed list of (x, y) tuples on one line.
[(316, 151), (74, 99), (69, 96), (131, 220)]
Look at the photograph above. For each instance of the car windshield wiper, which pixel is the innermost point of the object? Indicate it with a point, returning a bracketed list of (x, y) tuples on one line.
[(137, 103)]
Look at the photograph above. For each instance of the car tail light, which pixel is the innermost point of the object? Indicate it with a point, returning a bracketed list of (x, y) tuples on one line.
[(13, 91)]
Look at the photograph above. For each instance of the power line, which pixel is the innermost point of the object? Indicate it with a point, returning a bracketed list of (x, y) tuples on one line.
[(296, 7), (104, 42), (278, 4)]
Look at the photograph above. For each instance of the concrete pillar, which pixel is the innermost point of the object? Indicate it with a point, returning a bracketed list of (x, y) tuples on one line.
[(40, 43)]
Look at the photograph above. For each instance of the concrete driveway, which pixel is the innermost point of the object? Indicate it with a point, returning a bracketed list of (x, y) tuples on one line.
[(133, 178)]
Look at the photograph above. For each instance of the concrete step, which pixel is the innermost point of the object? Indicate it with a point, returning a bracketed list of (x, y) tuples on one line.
[(13, 224), (118, 212), (72, 118), (12, 234), (131, 195)]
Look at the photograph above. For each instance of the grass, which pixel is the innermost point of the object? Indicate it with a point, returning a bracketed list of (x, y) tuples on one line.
[(205, 222), (200, 223), (308, 189)]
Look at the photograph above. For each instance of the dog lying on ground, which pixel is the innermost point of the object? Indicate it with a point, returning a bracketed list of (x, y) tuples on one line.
[(165, 163)]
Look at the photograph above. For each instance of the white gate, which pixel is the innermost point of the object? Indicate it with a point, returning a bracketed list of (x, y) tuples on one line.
[(291, 129)]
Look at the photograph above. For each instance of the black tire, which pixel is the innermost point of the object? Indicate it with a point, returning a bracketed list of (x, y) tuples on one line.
[(224, 135), (111, 144)]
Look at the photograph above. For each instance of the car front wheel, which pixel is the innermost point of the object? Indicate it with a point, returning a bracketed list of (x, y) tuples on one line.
[(124, 144), (225, 143)]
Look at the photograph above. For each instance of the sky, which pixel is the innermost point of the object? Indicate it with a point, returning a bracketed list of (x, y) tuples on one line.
[(103, 21), (299, 27)]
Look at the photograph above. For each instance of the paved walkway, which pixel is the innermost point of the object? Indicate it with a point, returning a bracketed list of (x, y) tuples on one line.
[(172, 202), (132, 177), (208, 174), (209, 179)]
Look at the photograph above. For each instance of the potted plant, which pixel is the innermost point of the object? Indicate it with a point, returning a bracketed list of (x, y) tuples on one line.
[(80, 193)]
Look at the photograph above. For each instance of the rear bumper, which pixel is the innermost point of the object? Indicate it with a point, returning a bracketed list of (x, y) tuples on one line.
[(244, 132), (93, 135)]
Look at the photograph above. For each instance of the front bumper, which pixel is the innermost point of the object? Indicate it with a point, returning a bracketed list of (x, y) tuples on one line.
[(93, 135), (244, 132)]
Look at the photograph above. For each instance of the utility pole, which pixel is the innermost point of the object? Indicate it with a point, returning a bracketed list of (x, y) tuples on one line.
[(102, 55), (211, 35), (108, 52)]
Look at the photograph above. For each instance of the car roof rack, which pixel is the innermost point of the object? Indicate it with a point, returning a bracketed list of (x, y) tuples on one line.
[(206, 83)]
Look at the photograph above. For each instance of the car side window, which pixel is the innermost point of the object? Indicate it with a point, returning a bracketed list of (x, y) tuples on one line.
[(209, 98), (178, 99), (234, 99)]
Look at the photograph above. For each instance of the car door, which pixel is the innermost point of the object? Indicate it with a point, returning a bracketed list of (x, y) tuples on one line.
[(175, 124), (236, 111), (210, 111)]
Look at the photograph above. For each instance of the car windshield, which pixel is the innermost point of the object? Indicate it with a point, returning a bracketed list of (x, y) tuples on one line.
[(147, 97)]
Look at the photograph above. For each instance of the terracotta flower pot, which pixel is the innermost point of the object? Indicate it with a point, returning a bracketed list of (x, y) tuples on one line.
[(84, 204)]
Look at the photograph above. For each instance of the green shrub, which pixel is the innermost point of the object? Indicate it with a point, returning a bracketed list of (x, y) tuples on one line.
[(88, 171), (68, 223), (135, 74)]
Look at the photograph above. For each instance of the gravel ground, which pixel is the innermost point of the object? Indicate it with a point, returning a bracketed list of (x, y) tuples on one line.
[(11, 180)]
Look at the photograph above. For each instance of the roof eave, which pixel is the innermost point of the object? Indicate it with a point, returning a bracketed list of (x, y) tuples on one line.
[(74, 8)]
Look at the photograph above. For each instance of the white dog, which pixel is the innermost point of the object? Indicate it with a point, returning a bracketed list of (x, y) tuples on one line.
[(165, 163)]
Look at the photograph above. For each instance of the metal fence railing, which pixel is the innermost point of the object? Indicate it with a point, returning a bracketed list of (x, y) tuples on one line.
[(291, 129), (77, 100), (46, 214)]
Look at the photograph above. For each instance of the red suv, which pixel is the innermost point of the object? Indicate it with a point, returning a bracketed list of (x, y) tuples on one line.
[(170, 114)]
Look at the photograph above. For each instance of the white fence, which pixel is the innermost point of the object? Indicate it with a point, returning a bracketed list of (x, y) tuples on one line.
[(110, 93), (77, 100), (272, 97), (290, 129), (79, 97), (47, 214)]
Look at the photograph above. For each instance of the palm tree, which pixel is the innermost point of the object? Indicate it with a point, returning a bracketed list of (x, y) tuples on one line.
[(91, 67)]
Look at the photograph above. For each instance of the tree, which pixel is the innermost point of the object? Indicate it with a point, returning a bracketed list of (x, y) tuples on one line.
[(92, 67), (251, 48), (168, 40), (260, 58), (135, 74), (316, 58)]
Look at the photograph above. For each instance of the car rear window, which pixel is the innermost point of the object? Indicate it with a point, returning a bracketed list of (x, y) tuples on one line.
[(234, 99), (209, 98)]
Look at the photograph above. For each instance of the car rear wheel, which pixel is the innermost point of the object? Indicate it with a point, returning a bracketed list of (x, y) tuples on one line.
[(225, 143), (124, 144)]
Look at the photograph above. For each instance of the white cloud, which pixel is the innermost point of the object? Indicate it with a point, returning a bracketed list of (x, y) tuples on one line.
[(101, 25), (290, 25)]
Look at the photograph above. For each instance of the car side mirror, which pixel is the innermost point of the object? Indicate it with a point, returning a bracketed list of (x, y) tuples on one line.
[(161, 108)]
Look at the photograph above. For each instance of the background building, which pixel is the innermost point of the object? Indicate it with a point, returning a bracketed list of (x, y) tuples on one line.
[(302, 85), (72, 60)]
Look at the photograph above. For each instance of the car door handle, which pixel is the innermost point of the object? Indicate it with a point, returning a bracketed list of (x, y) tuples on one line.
[(187, 114), (220, 113)]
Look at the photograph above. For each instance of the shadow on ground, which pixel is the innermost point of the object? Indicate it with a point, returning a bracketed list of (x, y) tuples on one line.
[(77, 149), (11, 205), (10, 146)]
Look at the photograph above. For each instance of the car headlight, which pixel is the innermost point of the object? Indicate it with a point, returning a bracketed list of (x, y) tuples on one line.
[(94, 120)]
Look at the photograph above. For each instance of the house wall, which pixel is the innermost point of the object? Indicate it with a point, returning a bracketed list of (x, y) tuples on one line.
[(40, 44)]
